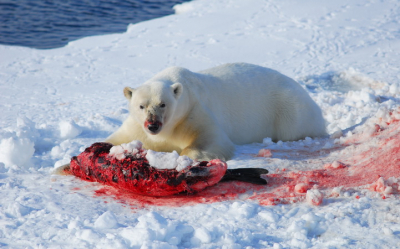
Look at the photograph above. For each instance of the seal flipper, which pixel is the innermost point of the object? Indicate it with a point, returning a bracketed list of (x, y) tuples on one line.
[(250, 175)]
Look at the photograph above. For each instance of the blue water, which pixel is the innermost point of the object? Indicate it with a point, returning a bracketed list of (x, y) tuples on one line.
[(47, 24)]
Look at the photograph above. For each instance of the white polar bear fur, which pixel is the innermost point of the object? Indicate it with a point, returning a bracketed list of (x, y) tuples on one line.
[(206, 113)]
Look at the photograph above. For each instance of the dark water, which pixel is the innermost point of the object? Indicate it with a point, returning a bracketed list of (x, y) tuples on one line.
[(53, 23)]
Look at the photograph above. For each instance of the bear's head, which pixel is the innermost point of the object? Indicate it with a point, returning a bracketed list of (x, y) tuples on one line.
[(154, 105)]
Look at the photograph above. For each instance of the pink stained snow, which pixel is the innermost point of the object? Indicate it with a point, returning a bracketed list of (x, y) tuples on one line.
[(366, 161)]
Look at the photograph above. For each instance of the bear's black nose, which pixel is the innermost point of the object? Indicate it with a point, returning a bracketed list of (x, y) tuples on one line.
[(153, 127)]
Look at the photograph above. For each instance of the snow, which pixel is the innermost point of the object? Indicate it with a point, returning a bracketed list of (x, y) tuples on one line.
[(120, 151), (159, 160), (166, 160), (106, 221), (69, 129), (55, 103), (314, 197), (162, 160)]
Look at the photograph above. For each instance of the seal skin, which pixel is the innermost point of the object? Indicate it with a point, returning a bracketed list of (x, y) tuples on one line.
[(135, 174)]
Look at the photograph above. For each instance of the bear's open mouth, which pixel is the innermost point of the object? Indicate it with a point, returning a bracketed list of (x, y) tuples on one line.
[(153, 127)]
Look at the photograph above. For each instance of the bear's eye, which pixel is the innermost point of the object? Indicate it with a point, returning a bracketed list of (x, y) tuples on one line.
[(141, 107), (162, 105)]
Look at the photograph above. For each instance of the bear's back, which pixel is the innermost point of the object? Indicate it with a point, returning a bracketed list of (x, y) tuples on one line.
[(250, 102)]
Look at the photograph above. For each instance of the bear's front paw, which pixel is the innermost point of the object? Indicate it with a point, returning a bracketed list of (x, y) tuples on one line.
[(202, 155)]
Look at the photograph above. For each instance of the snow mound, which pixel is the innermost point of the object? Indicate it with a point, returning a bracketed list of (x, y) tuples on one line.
[(166, 160), (314, 197), (154, 227), (17, 146), (106, 221), (16, 151), (69, 129), (120, 151)]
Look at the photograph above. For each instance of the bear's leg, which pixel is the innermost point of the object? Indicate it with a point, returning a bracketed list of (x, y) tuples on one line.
[(207, 150), (128, 131)]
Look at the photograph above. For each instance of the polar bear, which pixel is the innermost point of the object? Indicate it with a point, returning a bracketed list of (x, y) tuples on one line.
[(203, 115)]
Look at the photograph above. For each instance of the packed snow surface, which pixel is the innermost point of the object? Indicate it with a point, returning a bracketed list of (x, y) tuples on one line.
[(340, 191)]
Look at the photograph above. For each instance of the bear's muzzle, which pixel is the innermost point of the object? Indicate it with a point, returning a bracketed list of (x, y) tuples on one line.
[(153, 127)]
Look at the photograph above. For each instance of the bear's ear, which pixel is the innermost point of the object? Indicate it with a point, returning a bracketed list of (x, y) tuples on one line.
[(177, 89), (128, 92)]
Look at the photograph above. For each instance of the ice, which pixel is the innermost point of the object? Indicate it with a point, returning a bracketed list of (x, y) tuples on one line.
[(54, 103)]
